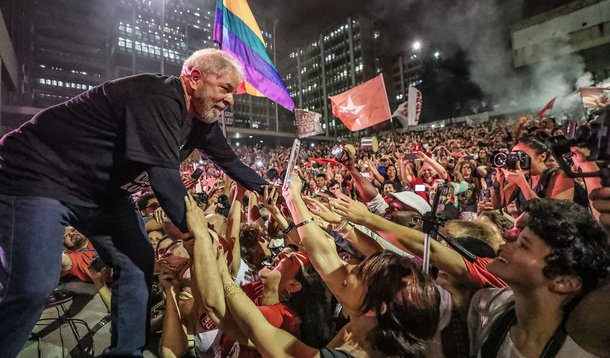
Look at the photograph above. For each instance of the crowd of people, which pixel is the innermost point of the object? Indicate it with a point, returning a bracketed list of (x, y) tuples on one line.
[(465, 241), (332, 266)]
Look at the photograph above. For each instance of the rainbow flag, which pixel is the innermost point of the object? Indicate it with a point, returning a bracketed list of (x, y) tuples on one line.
[(237, 32)]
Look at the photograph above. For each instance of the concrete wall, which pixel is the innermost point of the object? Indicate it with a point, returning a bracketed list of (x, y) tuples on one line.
[(561, 32)]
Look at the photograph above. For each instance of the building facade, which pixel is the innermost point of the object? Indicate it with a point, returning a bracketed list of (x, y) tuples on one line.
[(579, 27), (340, 58), (65, 48)]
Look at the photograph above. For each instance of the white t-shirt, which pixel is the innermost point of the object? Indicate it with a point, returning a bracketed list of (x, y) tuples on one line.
[(486, 307)]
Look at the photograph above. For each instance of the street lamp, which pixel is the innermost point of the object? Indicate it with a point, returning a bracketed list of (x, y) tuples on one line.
[(416, 46)]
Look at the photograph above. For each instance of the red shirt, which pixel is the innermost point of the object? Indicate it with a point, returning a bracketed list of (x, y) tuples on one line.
[(81, 259), (279, 315), (478, 272)]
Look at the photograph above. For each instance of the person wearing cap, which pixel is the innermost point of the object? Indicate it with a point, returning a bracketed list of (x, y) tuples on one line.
[(373, 293)]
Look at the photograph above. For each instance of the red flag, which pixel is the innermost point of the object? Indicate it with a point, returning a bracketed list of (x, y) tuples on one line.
[(547, 107), (362, 106)]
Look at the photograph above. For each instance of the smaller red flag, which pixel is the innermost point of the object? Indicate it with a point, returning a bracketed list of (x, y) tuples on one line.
[(547, 107), (362, 106)]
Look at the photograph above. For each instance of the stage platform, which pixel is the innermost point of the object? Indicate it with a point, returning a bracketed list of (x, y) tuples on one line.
[(75, 325)]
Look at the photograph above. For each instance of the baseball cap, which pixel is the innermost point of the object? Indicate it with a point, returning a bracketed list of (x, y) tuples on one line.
[(413, 201)]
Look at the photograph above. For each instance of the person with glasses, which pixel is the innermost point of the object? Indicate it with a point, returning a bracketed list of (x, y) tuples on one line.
[(393, 306), (289, 296), (147, 204)]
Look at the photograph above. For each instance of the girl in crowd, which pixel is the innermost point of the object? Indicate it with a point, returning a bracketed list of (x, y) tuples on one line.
[(290, 296), (537, 182), (392, 305)]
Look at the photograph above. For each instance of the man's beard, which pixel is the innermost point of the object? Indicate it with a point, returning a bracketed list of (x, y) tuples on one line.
[(203, 101)]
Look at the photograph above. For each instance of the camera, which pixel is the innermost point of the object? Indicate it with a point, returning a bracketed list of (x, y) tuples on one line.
[(593, 136), (224, 205), (499, 159), (201, 198)]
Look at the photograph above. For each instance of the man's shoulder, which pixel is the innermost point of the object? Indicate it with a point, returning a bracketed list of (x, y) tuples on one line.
[(146, 85)]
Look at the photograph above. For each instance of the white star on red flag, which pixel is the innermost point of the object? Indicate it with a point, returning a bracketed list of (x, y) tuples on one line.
[(351, 109)]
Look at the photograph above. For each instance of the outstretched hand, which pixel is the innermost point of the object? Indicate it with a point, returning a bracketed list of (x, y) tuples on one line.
[(269, 198), (294, 188), (352, 210), (322, 210), (195, 218)]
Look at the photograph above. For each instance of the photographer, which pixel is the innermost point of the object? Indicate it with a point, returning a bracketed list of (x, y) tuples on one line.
[(536, 182)]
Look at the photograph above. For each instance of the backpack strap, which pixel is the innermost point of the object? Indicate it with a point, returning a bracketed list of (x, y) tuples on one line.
[(545, 180), (498, 332), (500, 328)]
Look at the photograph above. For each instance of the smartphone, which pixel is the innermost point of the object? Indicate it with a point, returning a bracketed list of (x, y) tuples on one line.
[(196, 174), (294, 154), (410, 156), (469, 157), (485, 195), (420, 187)]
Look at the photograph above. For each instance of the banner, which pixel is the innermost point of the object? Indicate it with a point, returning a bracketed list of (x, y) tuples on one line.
[(362, 106), (414, 109), (308, 123), (408, 112), (595, 97)]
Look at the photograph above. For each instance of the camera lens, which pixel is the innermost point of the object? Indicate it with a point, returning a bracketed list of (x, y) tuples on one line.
[(499, 160)]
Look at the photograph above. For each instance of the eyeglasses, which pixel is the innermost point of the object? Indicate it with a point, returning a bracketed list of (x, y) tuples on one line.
[(166, 251)]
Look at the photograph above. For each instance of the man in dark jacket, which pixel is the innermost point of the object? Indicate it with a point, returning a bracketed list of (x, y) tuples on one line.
[(78, 162)]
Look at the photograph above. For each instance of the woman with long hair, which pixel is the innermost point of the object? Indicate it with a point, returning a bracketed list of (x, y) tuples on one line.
[(393, 307), (290, 296)]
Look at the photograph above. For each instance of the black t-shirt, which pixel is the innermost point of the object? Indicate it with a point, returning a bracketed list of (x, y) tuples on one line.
[(98, 145)]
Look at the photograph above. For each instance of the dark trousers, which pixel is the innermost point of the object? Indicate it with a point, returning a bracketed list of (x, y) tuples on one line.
[(31, 242)]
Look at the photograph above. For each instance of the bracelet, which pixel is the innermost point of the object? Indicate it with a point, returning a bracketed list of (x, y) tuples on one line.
[(341, 225), (303, 223), (287, 230), (231, 289)]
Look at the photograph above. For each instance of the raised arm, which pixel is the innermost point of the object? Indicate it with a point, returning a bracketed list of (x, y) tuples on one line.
[(269, 340), (321, 248), (206, 275), (233, 224), (442, 257), (440, 170), (360, 241), (269, 201), (365, 188), (173, 340)]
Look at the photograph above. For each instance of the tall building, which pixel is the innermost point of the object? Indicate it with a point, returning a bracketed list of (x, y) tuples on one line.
[(138, 39), (61, 57), (64, 48), (407, 71), (337, 60)]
